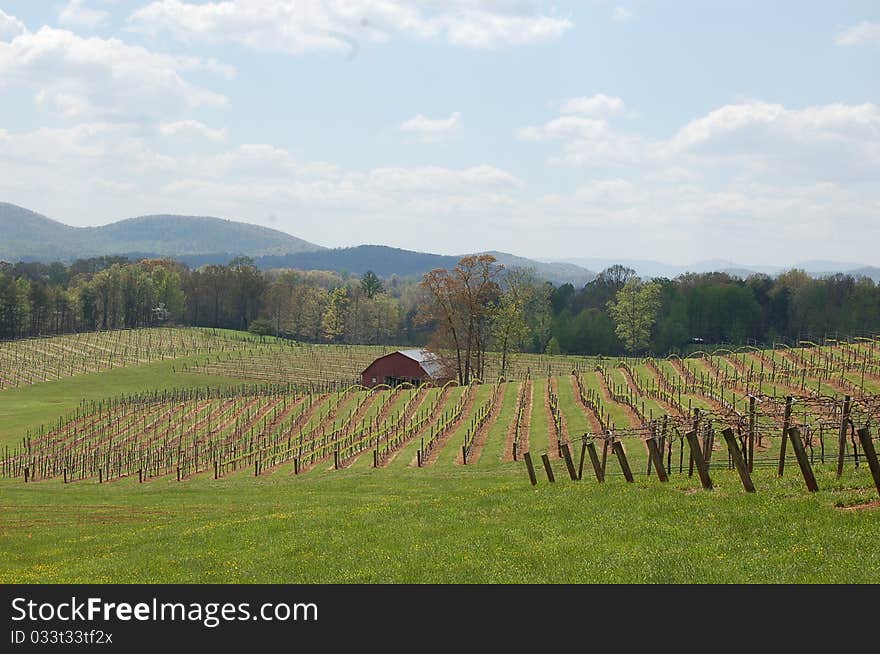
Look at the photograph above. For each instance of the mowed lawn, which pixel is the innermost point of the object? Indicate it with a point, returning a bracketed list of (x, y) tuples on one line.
[(483, 523), (442, 523)]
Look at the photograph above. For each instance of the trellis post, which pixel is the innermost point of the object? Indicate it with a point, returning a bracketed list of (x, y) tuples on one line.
[(870, 454), (697, 455), (741, 466), (786, 423)]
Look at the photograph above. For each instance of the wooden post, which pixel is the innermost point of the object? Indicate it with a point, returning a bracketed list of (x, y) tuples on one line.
[(463, 455), (696, 424), (419, 458), (605, 452), (752, 418), (617, 446), (870, 454), (566, 454), (336, 459), (581, 463), (657, 458), (697, 455), (786, 423), (741, 466), (803, 460), (598, 468), (841, 443), (531, 468), (296, 465), (547, 468)]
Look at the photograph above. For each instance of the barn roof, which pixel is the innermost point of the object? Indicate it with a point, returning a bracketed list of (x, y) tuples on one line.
[(427, 359)]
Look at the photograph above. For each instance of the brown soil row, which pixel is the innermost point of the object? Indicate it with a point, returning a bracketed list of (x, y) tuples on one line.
[(465, 414), (482, 434), (527, 396), (605, 394), (383, 415), (441, 404)]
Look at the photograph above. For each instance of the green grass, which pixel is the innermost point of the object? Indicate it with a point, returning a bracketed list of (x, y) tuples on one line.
[(442, 524), (539, 429), (496, 439)]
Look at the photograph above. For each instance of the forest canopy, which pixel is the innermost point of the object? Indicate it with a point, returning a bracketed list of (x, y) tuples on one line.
[(615, 313)]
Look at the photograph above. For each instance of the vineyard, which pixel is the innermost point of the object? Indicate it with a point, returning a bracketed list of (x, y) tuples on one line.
[(344, 363), (241, 460), (735, 410), (35, 360)]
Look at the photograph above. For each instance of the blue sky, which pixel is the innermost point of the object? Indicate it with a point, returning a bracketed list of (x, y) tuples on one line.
[(675, 131)]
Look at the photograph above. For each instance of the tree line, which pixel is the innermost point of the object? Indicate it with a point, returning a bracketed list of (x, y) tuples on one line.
[(618, 313), (472, 308)]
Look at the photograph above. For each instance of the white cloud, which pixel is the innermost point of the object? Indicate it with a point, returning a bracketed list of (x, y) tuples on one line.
[(824, 142), (481, 29), (77, 14), (192, 127), (807, 174), (565, 127), (596, 105), (861, 34), (103, 78), (301, 26), (430, 129), (435, 177), (622, 15), (10, 27)]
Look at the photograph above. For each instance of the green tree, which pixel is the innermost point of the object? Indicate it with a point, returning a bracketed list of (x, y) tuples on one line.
[(335, 315), (371, 285), (634, 310)]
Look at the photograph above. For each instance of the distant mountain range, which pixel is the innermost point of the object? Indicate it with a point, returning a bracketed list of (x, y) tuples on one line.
[(648, 269), (200, 240), (31, 236)]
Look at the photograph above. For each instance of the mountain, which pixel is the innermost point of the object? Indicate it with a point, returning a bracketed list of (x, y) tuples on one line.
[(652, 269), (31, 236), (648, 268), (178, 235), (558, 272), (381, 259), (28, 235), (867, 271), (385, 261), (201, 240)]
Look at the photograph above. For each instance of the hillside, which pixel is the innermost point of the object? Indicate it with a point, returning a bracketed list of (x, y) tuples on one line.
[(31, 236), (647, 268), (202, 240), (385, 261)]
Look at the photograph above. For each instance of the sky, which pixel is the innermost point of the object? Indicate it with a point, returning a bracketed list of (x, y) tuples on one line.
[(632, 129)]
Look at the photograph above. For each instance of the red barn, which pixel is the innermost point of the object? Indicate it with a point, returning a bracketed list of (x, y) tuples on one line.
[(413, 366)]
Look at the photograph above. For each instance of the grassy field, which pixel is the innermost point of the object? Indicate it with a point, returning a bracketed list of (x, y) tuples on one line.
[(441, 523), (444, 524)]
